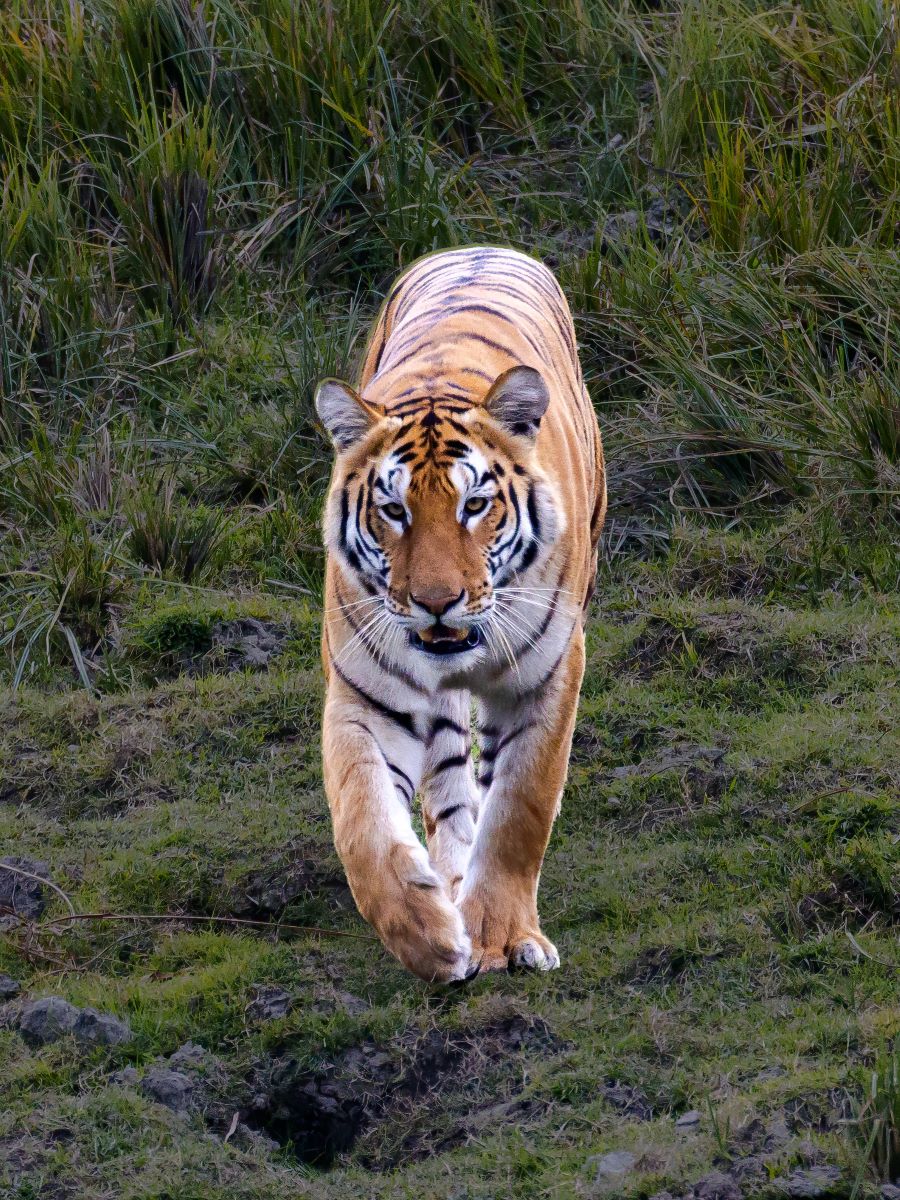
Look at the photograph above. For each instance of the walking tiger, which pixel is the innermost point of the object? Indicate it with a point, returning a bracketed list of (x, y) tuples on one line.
[(462, 522)]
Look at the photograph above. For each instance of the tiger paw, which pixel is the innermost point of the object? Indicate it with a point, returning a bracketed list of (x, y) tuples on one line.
[(417, 921), (506, 936), (534, 953)]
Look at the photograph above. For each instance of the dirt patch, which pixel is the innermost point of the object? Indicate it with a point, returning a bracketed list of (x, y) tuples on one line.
[(664, 218), (629, 1101), (666, 964), (243, 644), (820, 1112), (702, 775), (264, 894), (862, 888), (713, 644), (180, 641), (399, 1104)]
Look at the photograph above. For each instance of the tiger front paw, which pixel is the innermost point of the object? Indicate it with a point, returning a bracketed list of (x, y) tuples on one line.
[(506, 935), (416, 919)]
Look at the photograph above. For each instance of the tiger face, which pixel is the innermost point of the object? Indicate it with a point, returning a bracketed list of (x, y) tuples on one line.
[(437, 508)]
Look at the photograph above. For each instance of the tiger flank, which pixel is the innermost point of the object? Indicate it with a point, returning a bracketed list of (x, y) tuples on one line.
[(462, 524)]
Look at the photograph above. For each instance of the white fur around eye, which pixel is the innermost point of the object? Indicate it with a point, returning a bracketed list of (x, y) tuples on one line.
[(466, 475), (394, 478)]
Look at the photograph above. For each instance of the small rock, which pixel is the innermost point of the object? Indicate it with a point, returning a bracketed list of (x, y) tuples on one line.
[(773, 1072), (269, 1003), (47, 1020), (612, 1165), (750, 1170), (688, 1120), (816, 1181), (246, 1138), (189, 1057), (100, 1029), (352, 1005), (777, 1133), (127, 1077), (9, 987), (889, 1191), (716, 1186), (662, 1196), (20, 894), (174, 1089), (247, 642)]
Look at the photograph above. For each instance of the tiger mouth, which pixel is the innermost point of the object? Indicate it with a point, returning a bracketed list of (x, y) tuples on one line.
[(441, 639)]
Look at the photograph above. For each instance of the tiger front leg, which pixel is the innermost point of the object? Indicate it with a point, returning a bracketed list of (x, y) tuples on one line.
[(522, 770), (371, 772), (449, 791)]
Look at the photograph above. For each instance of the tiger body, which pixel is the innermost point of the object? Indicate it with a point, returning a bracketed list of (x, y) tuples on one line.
[(462, 524)]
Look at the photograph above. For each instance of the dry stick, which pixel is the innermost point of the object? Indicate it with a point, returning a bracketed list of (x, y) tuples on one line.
[(42, 880), (276, 926)]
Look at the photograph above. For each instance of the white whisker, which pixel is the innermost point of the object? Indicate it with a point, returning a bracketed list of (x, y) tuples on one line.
[(355, 604)]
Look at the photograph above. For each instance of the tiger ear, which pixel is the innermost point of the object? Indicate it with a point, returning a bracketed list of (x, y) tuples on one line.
[(343, 412), (517, 400)]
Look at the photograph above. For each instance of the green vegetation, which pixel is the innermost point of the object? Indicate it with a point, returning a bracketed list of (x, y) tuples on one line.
[(201, 207)]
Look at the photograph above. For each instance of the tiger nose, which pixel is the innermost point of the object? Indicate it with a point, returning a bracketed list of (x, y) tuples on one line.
[(436, 600)]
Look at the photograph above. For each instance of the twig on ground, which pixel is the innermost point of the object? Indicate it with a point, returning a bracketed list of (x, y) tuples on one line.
[(276, 926), (40, 879)]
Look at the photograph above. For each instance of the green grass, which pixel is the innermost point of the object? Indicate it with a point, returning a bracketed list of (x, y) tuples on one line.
[(201, 208)]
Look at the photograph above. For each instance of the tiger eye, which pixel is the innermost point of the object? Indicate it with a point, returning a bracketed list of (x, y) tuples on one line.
[(395, 511), (476, 505)]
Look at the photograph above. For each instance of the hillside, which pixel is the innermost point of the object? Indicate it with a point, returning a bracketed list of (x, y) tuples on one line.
[(203, 205)]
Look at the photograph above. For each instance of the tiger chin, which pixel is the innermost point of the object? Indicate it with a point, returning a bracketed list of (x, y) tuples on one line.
[(462, 522)]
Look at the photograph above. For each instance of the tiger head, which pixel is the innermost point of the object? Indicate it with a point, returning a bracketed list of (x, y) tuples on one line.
[(437, 506)]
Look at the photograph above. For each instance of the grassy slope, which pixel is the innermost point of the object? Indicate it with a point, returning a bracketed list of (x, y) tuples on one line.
[(717, 186)]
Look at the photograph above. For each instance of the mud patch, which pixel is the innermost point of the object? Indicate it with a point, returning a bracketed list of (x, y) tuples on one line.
[(422, 1096)]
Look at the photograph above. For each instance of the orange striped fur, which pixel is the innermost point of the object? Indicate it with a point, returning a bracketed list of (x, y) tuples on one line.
[(462, 523)]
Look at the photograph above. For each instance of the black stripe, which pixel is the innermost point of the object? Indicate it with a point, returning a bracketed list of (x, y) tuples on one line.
[(490, 753), (440, 723), (403, 775), (532, 510), (403, 719), (529, 556), (405, 359), (490, 342), (380, 349), (362, 725), (486, 779), (532, 691), (560, 317), (448, 812), (447, 764), (501, 316)]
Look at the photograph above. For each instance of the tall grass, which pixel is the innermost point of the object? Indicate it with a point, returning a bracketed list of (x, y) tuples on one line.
[(202, 202)]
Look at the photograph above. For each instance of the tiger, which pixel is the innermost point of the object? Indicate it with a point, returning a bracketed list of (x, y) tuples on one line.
[(461, 529)]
